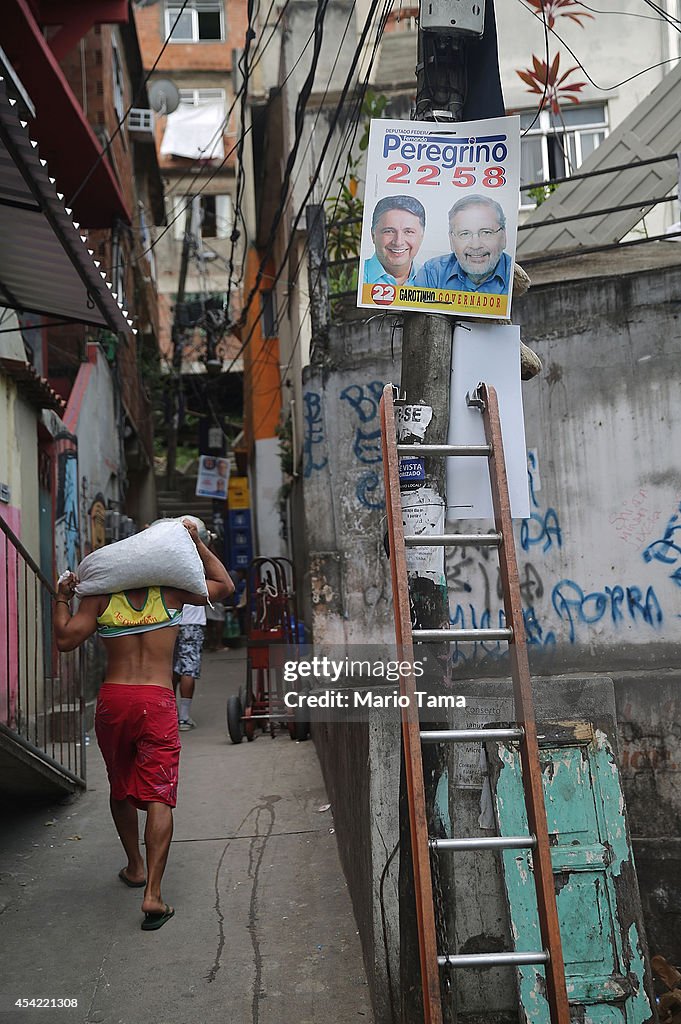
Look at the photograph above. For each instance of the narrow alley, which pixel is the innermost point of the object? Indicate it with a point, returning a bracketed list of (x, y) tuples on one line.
[(263, 930)]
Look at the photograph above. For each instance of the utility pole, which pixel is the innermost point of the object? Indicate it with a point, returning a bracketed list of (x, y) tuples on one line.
[(425, 381), (178, 332)]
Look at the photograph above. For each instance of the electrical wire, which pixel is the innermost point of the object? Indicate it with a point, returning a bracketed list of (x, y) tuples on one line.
[(664, 15), (196, 162), (317, 116), (546, 82), (240, 184), (334, 121), (629, 14), (601, 88), (189, 194), (122, 121), (352, 131), (315, 175)]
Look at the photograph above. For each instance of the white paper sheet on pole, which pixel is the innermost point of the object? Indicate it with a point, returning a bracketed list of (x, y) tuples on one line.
[(489, 353)]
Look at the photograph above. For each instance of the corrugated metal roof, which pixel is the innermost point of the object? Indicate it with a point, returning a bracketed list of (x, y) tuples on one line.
[(45, 265), (34, 387)]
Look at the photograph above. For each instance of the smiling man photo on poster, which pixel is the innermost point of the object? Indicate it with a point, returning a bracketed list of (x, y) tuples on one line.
[(477, 262), (397, 227)]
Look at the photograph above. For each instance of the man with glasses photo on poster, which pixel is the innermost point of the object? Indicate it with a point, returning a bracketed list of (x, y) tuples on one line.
[(477, 262)]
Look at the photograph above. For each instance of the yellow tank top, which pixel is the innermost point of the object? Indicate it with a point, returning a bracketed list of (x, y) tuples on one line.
[(121, 618)]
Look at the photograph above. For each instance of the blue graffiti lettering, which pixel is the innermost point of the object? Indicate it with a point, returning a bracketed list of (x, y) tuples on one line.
[(365, 403), (664, 550), (367, 446), (539, 529), (313, 432), (573, 606), (546, 529), (534, 632), (366, 491)]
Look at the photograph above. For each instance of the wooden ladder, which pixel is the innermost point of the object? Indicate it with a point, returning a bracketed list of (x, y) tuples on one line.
[(524, 733)]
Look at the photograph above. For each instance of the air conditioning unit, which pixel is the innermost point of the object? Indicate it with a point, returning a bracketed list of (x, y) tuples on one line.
[(141, 123)]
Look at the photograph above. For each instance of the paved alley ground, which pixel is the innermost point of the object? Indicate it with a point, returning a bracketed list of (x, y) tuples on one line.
[(263, 931)]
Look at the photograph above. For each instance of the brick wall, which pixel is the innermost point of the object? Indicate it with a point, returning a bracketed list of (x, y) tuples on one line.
[(200, 57)]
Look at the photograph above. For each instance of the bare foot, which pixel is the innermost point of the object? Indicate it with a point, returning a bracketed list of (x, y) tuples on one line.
[(150, 905)]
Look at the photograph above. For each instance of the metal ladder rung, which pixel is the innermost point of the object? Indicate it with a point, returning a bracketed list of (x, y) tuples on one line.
[(485, 843), (444, 449), (442, 540), (492, 959), (470, 735), (454, 635)]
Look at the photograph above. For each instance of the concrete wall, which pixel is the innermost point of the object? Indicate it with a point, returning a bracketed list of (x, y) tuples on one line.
[(19, 450), (92, 415), (599, 557), (348, 583), (361, 766)]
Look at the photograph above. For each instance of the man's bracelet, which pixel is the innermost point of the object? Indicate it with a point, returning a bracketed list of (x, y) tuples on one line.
[(62, 600)]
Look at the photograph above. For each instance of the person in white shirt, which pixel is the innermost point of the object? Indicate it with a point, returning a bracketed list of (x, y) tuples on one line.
[(189, 648), (187, 659)]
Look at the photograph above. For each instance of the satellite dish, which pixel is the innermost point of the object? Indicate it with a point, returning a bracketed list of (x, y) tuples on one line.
[(164, 96)]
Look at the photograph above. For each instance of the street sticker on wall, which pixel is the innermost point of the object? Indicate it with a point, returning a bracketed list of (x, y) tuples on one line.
[(441, 216)]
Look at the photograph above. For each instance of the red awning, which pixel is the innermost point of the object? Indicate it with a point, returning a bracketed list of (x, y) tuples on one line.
[(45, 265), (66, 139)]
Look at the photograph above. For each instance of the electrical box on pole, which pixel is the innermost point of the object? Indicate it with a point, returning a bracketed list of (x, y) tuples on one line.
[(453, 17)]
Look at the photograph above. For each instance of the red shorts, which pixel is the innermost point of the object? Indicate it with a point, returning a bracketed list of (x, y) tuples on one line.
[(136, 729)]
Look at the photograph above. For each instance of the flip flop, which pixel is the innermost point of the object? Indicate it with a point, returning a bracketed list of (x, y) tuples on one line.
[(126, 881), (153, 921)]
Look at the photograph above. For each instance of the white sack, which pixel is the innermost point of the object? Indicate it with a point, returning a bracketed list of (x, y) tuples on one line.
[(164, 555)]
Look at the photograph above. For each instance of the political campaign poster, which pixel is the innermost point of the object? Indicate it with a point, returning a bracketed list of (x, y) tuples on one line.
[(213, 477), (441, 216)]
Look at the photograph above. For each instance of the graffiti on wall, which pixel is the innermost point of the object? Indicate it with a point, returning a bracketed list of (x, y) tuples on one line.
[(667, 548), (67, 529), (560, 611), (543, 527), (313, 434), (364, 400)]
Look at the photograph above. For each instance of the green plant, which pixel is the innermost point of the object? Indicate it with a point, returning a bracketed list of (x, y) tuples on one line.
[(540, 193), (344, 228)]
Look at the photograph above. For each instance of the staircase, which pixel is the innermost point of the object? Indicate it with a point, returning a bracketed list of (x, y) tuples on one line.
[(182, 501), (42, 724)]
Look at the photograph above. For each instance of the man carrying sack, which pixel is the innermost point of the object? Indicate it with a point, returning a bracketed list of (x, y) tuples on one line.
[(136, 719)]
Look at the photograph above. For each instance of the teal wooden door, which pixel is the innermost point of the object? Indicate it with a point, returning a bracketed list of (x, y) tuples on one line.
[(596, 888)]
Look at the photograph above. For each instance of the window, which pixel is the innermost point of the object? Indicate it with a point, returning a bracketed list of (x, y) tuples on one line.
[(118, 86), (118, 271), (216, 216), (214, 211), (557, 144), (268, 314), (201, 97), (202, 21)]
